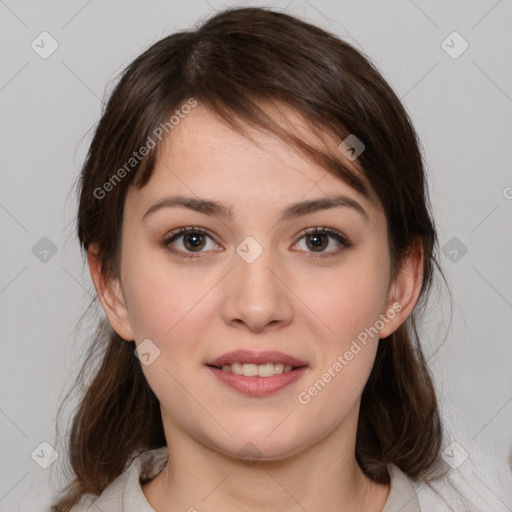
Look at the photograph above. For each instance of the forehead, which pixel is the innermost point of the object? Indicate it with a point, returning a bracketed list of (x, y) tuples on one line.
[(202, 134), (203, 156)]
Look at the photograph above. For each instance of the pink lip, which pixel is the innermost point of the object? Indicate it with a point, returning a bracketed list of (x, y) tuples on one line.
[(246, 356), (258, 386)]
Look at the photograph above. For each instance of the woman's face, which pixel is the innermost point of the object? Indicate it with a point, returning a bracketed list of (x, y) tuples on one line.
[(256, 278)]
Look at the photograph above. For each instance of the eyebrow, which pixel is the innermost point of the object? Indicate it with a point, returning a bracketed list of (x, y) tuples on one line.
[(294, 210)]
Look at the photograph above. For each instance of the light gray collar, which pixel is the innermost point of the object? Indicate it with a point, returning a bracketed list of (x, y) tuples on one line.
[(402, 495)]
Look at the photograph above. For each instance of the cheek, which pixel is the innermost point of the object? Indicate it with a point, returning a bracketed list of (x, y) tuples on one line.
[(163, 298), (349, 303), (344, 302)]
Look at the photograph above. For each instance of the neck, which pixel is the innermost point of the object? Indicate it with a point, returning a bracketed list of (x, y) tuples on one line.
[(198, 478)]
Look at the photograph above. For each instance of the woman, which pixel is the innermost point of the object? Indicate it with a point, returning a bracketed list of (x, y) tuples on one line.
[(255, 216)]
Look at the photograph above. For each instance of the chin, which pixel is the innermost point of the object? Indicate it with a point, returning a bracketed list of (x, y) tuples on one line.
[(264, 442)]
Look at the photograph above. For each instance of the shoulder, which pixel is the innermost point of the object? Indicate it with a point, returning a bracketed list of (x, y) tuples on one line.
[(458, 490), (125, 494)]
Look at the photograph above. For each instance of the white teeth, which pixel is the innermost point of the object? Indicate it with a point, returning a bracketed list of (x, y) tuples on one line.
[(266, 370), (257, 370), (250, 370), (279, 368), (236, 368)]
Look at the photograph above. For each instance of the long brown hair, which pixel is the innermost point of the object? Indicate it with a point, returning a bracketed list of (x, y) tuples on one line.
[(232, 63)]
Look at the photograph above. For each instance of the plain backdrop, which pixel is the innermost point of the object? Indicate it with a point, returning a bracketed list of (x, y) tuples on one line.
[(460, 101)]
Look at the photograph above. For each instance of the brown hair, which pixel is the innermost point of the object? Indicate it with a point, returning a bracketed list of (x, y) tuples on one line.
[(232, 63)]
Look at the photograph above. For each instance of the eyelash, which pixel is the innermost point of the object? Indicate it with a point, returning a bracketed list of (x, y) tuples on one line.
[(340, 238)]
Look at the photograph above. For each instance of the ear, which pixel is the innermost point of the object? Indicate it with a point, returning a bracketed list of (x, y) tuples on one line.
[(111, 296), (404, 291)]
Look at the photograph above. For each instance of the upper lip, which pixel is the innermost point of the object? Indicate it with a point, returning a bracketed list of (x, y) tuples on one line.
[(246, 356)]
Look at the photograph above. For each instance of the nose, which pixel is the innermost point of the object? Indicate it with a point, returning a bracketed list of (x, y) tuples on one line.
[(257, 295)]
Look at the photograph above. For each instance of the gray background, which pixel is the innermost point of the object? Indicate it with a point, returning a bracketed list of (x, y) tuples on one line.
[(461, 108)]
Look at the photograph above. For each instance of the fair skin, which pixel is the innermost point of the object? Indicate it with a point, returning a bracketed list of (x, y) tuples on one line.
[(289, 299)]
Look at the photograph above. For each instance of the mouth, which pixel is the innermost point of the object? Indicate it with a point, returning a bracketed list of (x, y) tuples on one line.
[(257, 373)]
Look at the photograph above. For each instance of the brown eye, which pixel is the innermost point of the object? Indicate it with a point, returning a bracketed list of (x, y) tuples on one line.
[(317, 242), (194, 241), (187, 241), (319, 239)]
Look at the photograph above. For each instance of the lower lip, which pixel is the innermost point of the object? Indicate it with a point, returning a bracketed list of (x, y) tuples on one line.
[(258, 386)]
